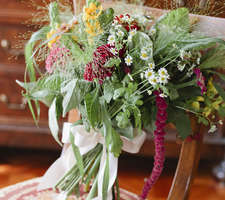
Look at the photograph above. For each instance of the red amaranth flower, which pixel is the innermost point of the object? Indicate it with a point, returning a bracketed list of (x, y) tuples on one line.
[(201, 80), (159, 134), (96, 68)]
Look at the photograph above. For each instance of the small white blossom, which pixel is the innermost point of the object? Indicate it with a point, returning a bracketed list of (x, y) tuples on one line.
[(120, 33), (189, 73), (111, 39), (144, 55), (149, 92), (126, 18), (118, 26), (151, 65), (163, 72), (212, 129), (198, 61), (220, 122), (128, 60), (163, 80), (142, 75), (152, 31), (181, 66), (163, 95), (133, 32), (153, 80), (184, 54), (174, 45), (149, 74), (113, 51)]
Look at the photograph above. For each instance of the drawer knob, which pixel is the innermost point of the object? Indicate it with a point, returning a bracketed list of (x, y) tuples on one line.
[(13, 106), (5, 44)]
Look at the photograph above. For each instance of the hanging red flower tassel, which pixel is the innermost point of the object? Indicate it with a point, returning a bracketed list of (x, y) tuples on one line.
[(159, 134)]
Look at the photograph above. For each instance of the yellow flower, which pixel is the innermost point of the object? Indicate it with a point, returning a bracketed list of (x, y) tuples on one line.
[(200, 99), (50, 35), (207, 111), (93, 28), (92, 12), (211, 87), (196, 105)]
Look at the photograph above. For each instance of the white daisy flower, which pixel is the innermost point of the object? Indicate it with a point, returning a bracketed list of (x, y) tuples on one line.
[(151, 65), (120, 33), (128, 60), (153, 80), (113, 51), (162, 80), (144, 55), (152, 31), (149, 74), (111, 39), (125, 18), (133, 32), (163, 72)]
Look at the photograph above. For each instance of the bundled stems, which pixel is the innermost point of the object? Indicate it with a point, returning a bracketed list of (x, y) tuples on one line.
[(159, 134)]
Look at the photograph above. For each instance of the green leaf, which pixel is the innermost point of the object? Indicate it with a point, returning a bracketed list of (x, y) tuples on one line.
[(181, 120), (118, 92), (54, 14), (52, 120), (222, 76), (70, 99), (220, 90), (93, 108), (105, 184), (77, 155), (117, 144), (113, 62), (108, 92)]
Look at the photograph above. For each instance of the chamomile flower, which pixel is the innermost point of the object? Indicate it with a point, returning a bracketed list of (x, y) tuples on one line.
[(153, 80), (149, 74), (113, 51), (152, 32), (126, 18), (133, 32), (118, 26), (163, 72), (151, 65), (128, 60), (120, 33), (111, 39), (163, 80), (144, 55)]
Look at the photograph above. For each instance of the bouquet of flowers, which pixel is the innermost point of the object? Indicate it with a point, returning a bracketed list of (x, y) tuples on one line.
[(126, 75)]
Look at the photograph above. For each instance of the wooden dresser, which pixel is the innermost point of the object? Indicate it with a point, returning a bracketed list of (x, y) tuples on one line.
[(17, 128)]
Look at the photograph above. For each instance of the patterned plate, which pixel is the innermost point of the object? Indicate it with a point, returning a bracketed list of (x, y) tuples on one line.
[(27, 191)]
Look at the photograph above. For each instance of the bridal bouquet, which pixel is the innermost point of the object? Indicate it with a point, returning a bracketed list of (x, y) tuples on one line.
[(126, 75)]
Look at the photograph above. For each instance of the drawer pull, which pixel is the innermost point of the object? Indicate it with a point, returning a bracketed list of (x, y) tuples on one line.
[(5, 44), (13, 106)]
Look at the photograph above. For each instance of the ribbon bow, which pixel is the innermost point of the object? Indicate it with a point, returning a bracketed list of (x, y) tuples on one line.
[(86, 141)]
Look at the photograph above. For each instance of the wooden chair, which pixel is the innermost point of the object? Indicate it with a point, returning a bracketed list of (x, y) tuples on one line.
[(190, 150)]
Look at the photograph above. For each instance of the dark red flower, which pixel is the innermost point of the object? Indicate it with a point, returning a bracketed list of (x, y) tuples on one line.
[(96, 68)]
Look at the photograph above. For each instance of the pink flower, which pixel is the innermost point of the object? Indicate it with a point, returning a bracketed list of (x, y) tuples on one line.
[(201, 80), (56, 54)]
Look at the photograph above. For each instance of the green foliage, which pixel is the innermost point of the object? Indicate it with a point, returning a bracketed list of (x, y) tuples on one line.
[(54, 14), (181, 121)]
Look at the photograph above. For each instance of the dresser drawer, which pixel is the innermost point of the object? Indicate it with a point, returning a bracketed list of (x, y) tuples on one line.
[(12, 41), (12, 104)]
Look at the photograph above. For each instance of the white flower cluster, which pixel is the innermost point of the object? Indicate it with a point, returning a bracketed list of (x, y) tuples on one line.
[(161, 77)]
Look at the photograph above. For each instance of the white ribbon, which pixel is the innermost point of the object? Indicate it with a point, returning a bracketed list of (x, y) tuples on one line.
[(86, 141)]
